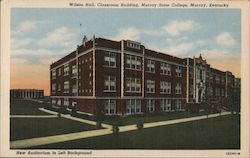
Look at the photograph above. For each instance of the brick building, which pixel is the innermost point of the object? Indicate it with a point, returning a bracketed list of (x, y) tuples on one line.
[(26, 93), (124, 77)]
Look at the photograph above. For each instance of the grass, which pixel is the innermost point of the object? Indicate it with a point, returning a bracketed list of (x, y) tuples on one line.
[(213, 133), (134, 119), (25, 107), (24, 128)]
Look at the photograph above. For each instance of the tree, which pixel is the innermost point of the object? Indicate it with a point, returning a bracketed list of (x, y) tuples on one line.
[(207, 100)]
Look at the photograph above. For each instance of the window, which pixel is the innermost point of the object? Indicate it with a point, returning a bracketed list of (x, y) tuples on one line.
[(191, 72), (133, 84), (151, 66), (150, 105), (165, 69), (222, 92), (217, 79), (53, 88), (74, 70), (191, 89), (66, 69), (133, 44), (133, 62), (66, 101), (178, 71), (66, 87), (59, 102), (217, 91), (74, 89), (109, 83), (58, 87), (223, 80), (165, 87), (53, 74), (110, 59), (178, 88), (133, 106), (150, 86), (59, 71), (110, 106), (53, 101), (177, 104), (165, 104)]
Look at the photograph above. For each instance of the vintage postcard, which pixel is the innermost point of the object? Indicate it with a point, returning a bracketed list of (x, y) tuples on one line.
[(96, 78)]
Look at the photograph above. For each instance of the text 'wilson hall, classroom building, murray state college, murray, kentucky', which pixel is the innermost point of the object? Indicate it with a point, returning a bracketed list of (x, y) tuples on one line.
[(124, 77)]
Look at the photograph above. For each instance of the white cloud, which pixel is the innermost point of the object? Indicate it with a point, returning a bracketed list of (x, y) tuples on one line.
[(17, 43), (130, 33), (179, 49), (29, 52), (59, 37), (216, 54), (225, 39), (25, 26), (175, 27)]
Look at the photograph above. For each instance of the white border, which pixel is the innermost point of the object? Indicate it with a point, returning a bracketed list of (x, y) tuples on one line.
[(6, 5)]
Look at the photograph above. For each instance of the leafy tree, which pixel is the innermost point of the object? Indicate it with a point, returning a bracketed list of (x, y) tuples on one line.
[(207, 100)]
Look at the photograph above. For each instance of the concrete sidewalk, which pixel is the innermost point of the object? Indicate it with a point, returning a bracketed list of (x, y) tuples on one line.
[(32, 116), (67, 116), (87, 134)]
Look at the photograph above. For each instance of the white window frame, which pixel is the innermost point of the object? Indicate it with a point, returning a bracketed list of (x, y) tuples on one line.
[(165, 87), (150, 66), (109, 59), (66, 69), (133, 84), (109, 82), (150, 105), (150, 86), (53, 101), (133, 106), (66, 87), (66, 101), (133, 45), (178, 71), (53, 88), (133, 62), (177, 104), (74, 70), (59, 102), (178, 88), (53, 74), (74, 89), (165, 69), (110, 107), (165, 104)]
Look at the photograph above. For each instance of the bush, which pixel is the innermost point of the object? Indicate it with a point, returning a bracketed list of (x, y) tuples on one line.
[(115, 129), (139, 125), (98, 124)]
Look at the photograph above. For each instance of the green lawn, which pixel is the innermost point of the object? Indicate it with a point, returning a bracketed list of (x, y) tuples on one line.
[(23, 128), (213, 133), (134, 119), (25, 107)]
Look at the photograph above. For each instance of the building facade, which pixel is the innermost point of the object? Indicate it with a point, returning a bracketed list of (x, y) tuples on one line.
[(124, 77), (26, 93)]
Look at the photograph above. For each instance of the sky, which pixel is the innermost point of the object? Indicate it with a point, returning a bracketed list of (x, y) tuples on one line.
[(42, 36)]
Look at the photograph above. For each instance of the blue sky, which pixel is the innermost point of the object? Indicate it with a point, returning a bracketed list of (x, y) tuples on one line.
[(41, 36)]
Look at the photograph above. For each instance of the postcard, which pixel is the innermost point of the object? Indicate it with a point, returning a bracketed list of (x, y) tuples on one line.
[(95, 78)]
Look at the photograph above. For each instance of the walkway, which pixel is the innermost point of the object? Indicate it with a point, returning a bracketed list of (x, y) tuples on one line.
[(87, 134), (32, 116)]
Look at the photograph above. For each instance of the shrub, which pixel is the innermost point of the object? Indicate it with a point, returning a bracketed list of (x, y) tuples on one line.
[(139, 125), (98, 124), (115, 129)]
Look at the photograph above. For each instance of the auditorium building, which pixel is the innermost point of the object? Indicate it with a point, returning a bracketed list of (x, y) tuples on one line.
[(124, 77), (26, 93)]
